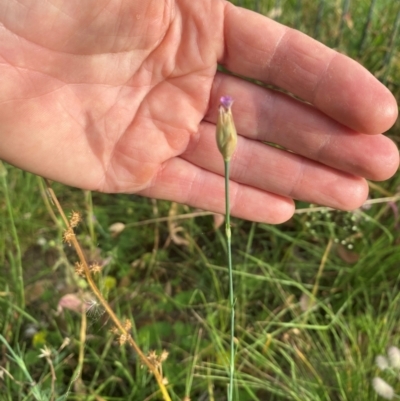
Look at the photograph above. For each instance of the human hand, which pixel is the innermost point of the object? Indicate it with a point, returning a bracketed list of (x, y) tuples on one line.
[(122, 96)]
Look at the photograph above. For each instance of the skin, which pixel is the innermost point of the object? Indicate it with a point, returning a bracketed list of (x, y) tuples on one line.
[(122, 96)]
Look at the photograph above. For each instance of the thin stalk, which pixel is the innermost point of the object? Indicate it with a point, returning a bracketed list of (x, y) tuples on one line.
[(394, 198), (314, 291), (345, 12), (367, 27), (298, 14), (90, 214), (230, 273), (226, 136), (189, 379), (318, 22), (392, 42), (242, 283), (17, 267)]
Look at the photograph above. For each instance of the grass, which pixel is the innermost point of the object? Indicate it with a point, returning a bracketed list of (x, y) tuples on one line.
[(311, 314)]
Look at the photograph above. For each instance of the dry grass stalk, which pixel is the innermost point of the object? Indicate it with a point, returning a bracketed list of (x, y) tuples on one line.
[(69, 237)]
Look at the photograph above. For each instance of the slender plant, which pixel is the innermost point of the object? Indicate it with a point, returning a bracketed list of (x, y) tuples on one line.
[(82, 268), (227, 141)]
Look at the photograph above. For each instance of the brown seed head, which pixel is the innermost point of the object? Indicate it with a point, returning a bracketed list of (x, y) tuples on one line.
[(68, 235), (127, 325), (95, 268), (123, 338), (114, 330), (75, 219), (153, 358), (79, 269), (164, 355)]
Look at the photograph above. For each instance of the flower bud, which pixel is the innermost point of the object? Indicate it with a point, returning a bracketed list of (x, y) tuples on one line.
[(226, 131)]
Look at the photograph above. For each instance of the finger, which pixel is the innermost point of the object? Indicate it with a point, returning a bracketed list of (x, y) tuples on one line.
[(260, 48), (278, 171), (267, 115), (181, 181)]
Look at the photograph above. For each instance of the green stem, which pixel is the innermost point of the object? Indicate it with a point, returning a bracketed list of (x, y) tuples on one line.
[(231, 299), (19, 279), (90, 215)]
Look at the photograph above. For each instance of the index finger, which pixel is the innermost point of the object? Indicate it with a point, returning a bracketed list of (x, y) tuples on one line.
[(263, 49)]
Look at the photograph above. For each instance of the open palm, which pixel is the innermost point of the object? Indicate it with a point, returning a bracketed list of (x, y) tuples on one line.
[(122, 95)]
